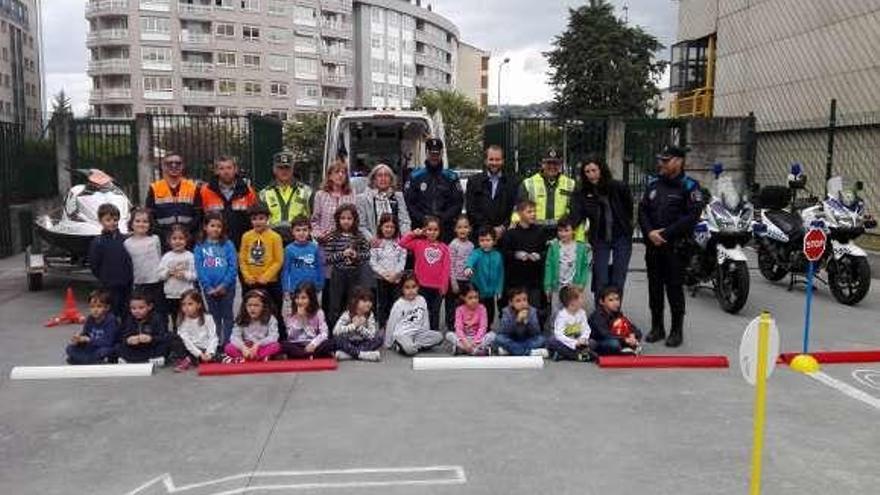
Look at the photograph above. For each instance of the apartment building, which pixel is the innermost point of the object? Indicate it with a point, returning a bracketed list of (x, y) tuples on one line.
[(275, 57), (21, 86), (473, 73)]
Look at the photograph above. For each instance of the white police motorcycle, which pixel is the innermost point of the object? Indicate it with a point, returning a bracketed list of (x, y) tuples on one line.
[(841, 215), (716, 257)]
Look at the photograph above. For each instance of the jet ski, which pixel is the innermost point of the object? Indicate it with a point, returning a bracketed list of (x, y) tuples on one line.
[(70, 230)]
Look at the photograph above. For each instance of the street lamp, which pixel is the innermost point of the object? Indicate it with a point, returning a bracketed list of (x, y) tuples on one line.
[(501, 66)]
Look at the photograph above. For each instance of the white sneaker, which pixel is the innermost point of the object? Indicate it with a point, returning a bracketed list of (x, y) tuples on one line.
[(627, 350), (158, 361), (540, 352), (503, 352), (342, 356), (374, 356)]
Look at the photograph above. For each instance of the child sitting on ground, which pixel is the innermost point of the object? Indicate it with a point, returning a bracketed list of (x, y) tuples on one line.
[(110, 262), (307, 333), (356, 335), (408, 327), (178, 269), (613, 333), (255, 335), (485, 269), (94, 343), (196, 339), (520, 332), (144, 333), (567, 264), (471, 334), (571, 332)]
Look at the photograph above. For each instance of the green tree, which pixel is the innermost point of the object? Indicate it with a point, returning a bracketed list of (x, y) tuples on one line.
[(305, 136), (600, 66), (463, 123)]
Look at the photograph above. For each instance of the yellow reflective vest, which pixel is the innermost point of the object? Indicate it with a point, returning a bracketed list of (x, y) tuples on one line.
[(537, 192), (286, 203)]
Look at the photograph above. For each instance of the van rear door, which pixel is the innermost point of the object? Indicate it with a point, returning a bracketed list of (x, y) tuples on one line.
[(440, 132)]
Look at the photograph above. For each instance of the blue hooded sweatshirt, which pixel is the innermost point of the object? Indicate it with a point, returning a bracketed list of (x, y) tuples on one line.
[(110, 261), (302, 263), (216, 265), (102, 334)]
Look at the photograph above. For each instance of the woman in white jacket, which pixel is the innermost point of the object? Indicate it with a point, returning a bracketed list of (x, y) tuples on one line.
[(381, 197)]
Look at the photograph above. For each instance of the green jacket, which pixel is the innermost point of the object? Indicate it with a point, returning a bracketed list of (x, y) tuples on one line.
[(583, 258)]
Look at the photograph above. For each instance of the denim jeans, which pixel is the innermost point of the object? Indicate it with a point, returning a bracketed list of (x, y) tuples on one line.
[(222, 312), (613, 274), (518, 347)]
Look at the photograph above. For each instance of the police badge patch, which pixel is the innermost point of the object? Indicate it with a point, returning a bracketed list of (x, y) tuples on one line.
[(423, 186), (652, 194)]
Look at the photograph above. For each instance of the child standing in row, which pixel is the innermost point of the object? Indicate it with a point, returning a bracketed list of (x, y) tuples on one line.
[(356, 335), (408, 327), (196, 339), (388, 260), (255, 336), (485, 269), (94, 343), (460, 249), (261, 258), (216, 267), (520, 332), (307, 333), (523, 248), (472, 335), (144, 333), (571, 332), (612, 331), (303, 261), (145, 251), (178, 269), (347, 252), (432, 266), (110, 262), (568, 264)]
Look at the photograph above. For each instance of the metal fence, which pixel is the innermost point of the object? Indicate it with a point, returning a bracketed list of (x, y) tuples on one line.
[(644, 138), (109, 145), (11, 141)]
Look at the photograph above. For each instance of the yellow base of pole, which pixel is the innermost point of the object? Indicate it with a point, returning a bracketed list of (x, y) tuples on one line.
[(804, 363)]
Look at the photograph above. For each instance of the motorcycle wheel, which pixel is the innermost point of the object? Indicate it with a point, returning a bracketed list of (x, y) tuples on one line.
[(849, 279), (732, 286), (768, 266)]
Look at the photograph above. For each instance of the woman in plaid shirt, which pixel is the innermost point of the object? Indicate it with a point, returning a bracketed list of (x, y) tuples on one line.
[(334, 192)]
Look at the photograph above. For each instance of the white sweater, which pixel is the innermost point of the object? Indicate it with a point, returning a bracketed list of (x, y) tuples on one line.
[(145, 253), (407, 317), (570, 327), (198, 338), (171, 261)]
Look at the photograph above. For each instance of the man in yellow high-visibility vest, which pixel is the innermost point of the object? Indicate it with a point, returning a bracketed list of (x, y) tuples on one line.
[(550, 190)]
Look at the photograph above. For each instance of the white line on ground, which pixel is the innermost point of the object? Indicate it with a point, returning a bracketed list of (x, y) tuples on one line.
[(868, 378), (442, 475), (846, 389)]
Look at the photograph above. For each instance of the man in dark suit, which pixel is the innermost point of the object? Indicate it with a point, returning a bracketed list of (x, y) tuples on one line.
[(491, 196)]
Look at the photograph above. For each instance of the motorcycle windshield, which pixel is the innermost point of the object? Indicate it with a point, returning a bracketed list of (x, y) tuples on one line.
[(844, 191), (727, 192)]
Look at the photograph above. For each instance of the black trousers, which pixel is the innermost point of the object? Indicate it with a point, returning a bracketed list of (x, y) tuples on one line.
[(386, 294), (665, 275), (434, 301), (141, 353), (276, 294), (489, 303), (340, 288)]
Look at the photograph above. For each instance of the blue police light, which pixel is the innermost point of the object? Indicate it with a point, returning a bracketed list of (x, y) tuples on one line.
[(717, 169), (796, 169)]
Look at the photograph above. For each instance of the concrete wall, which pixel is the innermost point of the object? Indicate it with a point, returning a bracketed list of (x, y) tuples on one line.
[(697, 18), (724, 140)]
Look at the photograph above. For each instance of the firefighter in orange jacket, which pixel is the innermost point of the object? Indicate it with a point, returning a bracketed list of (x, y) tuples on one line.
[(174, 199), (231, 195)]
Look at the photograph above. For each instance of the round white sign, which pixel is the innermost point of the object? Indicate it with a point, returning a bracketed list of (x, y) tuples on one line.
[(748, 350)]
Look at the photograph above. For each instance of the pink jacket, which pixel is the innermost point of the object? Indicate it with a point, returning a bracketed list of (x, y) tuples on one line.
[(433, 263), (471, 324)]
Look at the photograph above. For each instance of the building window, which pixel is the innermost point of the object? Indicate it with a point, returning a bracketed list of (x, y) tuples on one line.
[(305, 44), (251, 60), (409, 70), (279, 114), (225, 4), (304, 16), (156, 55), (152, 83), (225, 30), (378, 65), (376, 15), (378, 90), (155, 26), (305, 68), (278, 89), (226, 87), (393, 91), (227, 111), (158, 110), (376, 40), (278, 35), (278, 7), (250, 5), (253, 88), (250, 33), (279, 62), (226, 59), (393, 19), (393, 68)]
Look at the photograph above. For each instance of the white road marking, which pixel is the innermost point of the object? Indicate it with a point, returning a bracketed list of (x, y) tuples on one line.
[(868, 378), (441, 475), (846, 389)]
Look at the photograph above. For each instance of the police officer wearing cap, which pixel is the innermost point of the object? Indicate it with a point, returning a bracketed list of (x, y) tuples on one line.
[(550, 190), (286, 198), (668, 211), (434, 191)]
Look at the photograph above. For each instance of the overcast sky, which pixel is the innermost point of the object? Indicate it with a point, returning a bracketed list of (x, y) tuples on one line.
[(519, 29)]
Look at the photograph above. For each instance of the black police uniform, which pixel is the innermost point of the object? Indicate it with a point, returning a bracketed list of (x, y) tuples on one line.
[(674, 205), (433, 190)]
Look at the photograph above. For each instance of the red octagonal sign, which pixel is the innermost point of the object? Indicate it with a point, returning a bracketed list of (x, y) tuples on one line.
[(814, 244)]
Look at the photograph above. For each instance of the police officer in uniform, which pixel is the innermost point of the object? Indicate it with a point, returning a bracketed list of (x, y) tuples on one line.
[(434, 190), (668, 212), (286, 198), (550, 190)]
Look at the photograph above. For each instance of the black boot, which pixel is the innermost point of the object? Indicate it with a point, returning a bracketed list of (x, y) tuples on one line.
[(657, 332), (676, 332)]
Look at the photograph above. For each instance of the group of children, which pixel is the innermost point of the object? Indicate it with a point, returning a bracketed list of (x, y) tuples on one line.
[(179, 304)]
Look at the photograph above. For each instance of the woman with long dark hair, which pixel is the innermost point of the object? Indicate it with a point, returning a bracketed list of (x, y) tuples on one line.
[(608, 205)]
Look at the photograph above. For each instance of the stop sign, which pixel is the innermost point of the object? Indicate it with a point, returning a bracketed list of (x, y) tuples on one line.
[(814, 244)]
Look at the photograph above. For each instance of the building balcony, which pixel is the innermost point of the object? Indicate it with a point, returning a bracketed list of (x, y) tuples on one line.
[(107, 36), (197, 67), (159, 95), (198, 96), (107, 94), (337, 80), (104, 7), (109, 66), (336, 54), (155, 5), (336, 103), (155, 65), (342, 30), (343, 6), (424, 59), (195, 38), (194, 11), (428, 83)]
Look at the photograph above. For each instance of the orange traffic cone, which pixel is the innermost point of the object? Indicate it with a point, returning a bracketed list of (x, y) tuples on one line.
[(69, 314)]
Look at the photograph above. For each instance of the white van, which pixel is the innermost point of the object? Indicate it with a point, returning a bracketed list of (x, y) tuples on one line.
[(369, 137)]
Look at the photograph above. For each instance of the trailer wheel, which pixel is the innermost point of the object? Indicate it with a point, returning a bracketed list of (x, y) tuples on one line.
[(35, 282)]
